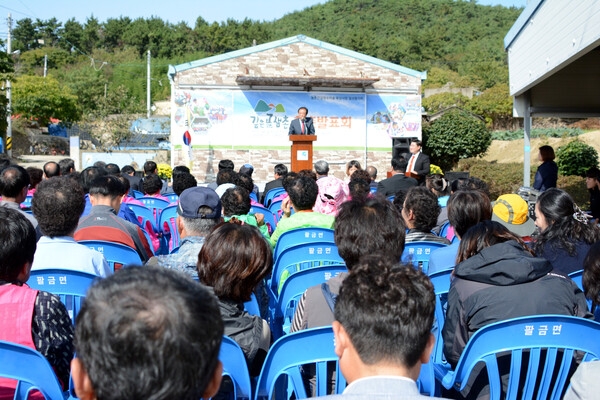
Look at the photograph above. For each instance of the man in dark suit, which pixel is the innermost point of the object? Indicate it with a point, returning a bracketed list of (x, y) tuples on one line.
[(418, 163), (134, 181), (398, 181), (302, 125), (280, 171)]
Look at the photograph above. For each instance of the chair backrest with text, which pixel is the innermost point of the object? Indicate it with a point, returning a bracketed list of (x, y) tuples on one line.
[(168, 225), (70, 286), (417, 253), (535, 356), (302, 235), (117, 255)]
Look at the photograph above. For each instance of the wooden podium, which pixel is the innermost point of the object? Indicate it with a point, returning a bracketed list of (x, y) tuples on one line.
[(302, 151)]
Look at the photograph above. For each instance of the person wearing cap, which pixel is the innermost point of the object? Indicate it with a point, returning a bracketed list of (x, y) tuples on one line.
[(513, 212), (199, 211)]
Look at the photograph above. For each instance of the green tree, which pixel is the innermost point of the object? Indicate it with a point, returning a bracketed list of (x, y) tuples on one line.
[(41, 98), (495, 105), (25, 35), (441, 101), (454, 136), (575, 158), (72, 35)]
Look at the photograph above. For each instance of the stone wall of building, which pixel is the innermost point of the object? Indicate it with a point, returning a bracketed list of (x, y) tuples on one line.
[(295, 60)]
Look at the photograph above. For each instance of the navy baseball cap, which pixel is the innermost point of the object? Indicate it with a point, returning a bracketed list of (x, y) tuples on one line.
[(193, 198)]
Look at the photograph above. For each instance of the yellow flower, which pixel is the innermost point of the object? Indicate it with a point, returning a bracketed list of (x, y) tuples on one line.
[(434, 169), (165, 171)]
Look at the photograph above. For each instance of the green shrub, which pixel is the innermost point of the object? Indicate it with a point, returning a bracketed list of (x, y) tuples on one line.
[(575, 158), (455, 136)]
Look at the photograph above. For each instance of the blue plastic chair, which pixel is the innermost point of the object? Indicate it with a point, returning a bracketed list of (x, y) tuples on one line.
[(234, 366), (168, 226), (252, 306), (137, 194), (300, 257), (270, 218), (282, 372), (173, 197), (144, 215), (544, 350), (156, 205), (31, 370), (27, 202), (417, 253), (117, 255), (70, 286), (275, 208), (271, 194), (441, 285), (282, 375), (293, 288), (302, 235), (577, 278)]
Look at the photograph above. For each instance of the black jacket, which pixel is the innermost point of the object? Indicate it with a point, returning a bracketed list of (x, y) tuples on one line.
[(501, 282)]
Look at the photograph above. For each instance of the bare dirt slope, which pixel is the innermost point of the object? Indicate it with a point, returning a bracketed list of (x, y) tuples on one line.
[(512, 151)]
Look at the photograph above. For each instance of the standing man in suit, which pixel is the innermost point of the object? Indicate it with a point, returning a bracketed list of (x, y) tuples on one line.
[(302, 125), (398, 181), (418, 163)]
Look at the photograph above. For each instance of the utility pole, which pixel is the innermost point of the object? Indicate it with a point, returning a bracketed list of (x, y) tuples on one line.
[(45, 65), (8, 144), (148, 99)]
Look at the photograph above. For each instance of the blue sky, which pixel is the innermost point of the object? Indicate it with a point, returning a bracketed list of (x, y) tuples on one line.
[(174, 11)]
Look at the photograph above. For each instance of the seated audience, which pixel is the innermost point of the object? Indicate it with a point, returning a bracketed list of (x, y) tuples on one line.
[(584, 383), (35, 176), (359, 186), (440, 187), (332, 193), (398, 181), (420, 212), (566, 233), (87, 176), (147, 333), (248, 169), (465, 209), (497, 277), (302, 196), (279, 172), (32, 318), (362, 227), (14, 183), (112, 169), (134, 181), (102, 222), (182, 181), (124, 211), (591, 275), (236, 204), (58, 203), (223, 165), (233, 261), (198, 212), (67, 166), (351, 166), (513, 212), (372, 171), (245, 181), (51, 169), (382, 329), (152, 187)]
